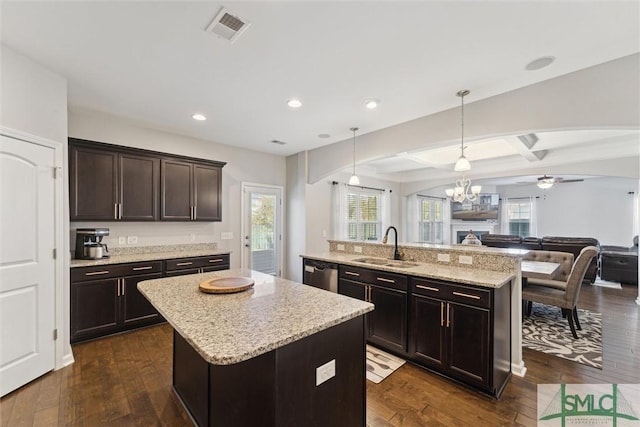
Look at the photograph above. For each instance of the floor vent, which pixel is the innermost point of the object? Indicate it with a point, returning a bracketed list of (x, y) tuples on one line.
[(227, 25)]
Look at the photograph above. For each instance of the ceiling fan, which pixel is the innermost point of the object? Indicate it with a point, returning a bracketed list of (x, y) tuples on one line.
[(546, 182)]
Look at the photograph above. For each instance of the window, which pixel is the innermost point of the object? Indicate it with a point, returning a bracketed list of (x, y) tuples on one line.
[(364, 215), (430, 219), (519, 214)]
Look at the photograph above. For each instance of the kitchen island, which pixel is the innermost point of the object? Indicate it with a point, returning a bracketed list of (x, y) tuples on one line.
[(280, 353)]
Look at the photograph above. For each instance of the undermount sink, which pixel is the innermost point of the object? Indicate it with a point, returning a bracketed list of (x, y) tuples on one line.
[(387, 262)]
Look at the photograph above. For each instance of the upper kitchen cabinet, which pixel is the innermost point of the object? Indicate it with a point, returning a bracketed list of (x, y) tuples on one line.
[(115, 183), (190, 191), (108, 184)]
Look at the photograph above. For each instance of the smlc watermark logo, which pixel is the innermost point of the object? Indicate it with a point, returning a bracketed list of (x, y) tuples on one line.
[(588, 405)]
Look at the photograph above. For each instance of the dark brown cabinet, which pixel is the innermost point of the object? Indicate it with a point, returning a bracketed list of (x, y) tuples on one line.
[(111, 183), (105, 184), (462, 332), (190, 191), (106, 299), (387, 324), (204, 264)]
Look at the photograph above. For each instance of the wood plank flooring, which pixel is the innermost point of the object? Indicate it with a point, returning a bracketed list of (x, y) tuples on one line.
[(125, 380)]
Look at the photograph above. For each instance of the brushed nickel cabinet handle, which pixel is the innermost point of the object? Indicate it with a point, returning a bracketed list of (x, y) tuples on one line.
[(382, 279), (428, 288), (119, 210), (184, 263), (123, 288), (460, 294), (350, 273), (118, 286), (448, 310), (441, 313), (142, 268), (115, 211), (96, 273), (216, 260), (195, 212)]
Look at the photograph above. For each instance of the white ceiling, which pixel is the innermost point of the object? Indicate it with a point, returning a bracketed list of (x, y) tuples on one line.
[(154, 63)]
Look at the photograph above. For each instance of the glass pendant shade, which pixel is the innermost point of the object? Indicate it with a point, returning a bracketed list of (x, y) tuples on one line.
[(354, 180), (545, 184), (462, 165)]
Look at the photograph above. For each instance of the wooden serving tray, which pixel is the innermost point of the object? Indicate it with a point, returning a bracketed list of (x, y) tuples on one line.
[(226, 285)]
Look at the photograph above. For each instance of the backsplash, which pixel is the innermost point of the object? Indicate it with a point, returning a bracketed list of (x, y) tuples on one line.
[(492, 259), (116, 251)]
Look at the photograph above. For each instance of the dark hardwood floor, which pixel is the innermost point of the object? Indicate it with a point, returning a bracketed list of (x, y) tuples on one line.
[(125, 380)]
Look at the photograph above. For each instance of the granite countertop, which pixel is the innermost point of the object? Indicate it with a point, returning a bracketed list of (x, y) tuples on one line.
[(471, 276), (230, 328), (152, 256)]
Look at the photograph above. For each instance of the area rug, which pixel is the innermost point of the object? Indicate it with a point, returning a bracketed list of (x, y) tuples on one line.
[(380, 364), (547, 331), (607, 284)]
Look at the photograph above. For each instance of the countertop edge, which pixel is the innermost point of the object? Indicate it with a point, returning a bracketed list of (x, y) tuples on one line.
[(153, 256)]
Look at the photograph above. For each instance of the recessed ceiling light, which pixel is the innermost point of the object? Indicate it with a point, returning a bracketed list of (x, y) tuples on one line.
[(294, 103), (542, 62), (371, 104), (199, 117), (324, 135)]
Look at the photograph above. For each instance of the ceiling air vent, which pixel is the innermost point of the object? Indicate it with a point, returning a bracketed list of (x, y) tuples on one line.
[(227, 25)]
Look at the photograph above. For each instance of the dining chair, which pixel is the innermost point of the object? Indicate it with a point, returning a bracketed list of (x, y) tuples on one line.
[(566, 299)]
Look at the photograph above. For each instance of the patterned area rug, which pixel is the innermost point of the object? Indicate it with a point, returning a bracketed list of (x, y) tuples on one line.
[(380, 364), (547, 331)]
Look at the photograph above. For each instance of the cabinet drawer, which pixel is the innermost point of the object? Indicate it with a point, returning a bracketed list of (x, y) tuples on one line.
[(373, 277), (114, 270), (468, 295), (197, 262)]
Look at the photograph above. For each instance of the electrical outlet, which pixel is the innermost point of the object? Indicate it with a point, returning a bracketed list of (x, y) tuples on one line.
[(122, 240), (357, 249), (226, 235), (132, 240), (324, 233), (325, 372), (444, 258), (192, 237), (465, 259), (340, 247)]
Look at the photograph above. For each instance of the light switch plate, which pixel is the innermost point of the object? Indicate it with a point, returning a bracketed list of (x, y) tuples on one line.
[(122, 240), (465, 259), (444, 258), (340, 247), (226, 235), (325, 372), (132, 240), (357, 249)]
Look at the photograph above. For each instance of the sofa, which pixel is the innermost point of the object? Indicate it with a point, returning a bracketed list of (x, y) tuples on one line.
[(548, 243), (620, 263)]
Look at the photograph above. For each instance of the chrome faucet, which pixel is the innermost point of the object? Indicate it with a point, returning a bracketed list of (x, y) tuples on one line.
[(396, 253)]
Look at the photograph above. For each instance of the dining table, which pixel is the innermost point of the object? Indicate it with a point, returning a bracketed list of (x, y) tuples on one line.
[(537, 270)]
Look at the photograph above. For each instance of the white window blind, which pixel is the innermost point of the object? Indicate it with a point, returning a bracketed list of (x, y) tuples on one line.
[(430, 219)]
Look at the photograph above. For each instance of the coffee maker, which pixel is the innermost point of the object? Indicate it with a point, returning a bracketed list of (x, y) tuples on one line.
[(89, 243)]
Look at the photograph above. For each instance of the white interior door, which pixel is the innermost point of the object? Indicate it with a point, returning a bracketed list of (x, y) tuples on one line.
[(27, 267), (262, 228)]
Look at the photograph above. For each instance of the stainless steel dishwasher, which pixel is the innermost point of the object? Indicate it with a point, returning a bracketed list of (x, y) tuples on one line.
[(320, 274)]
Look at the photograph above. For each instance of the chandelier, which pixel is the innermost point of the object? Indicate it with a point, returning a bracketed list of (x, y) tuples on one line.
[(463, 191)]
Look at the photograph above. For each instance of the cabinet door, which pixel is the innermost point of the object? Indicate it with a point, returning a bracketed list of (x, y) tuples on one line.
[(352, 289), (388, 322), (135, 307), (469, 350), (206, 192), (427, 339), (176, 188), (94, 308), (93, 184), (138, 186)]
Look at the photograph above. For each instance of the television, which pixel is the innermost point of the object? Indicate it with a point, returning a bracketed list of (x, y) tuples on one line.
[(486, 207)]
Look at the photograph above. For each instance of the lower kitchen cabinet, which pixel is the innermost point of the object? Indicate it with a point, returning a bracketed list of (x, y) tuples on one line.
[(462, 332), (387, 324), (112, 303), (194, 265)]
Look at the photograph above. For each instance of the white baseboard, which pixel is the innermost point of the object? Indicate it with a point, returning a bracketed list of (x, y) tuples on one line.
[(68, 359), (518, 369)]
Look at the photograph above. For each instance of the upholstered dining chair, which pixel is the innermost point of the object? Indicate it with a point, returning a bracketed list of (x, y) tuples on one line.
[(567, 298)]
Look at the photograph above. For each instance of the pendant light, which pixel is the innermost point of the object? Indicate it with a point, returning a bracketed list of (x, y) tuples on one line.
[(463, 192), (462, 164), (354, 180)]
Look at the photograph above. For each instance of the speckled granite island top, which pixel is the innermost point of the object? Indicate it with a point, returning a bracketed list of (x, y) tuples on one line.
[(472, 276), (230, 328)]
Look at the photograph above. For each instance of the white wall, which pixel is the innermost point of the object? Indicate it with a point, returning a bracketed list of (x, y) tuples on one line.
[(296, 210), (33, 100), (242, 166), (597, 207)]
